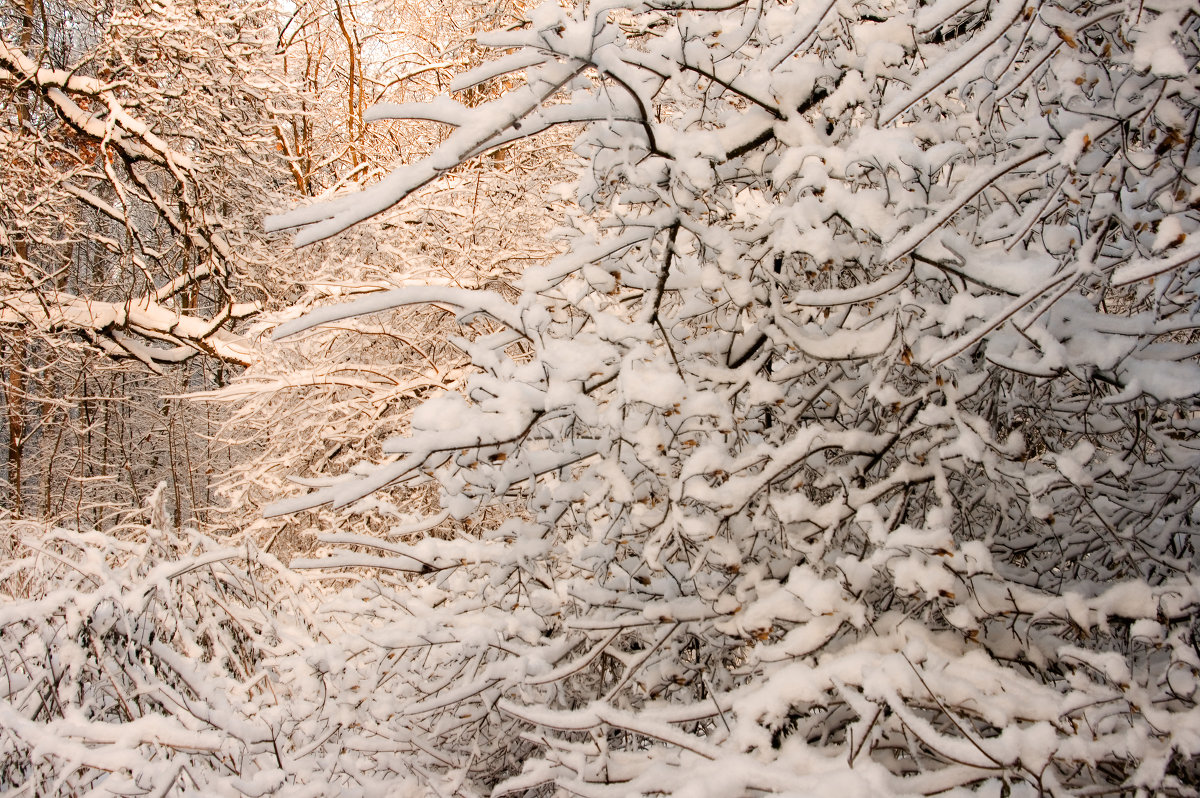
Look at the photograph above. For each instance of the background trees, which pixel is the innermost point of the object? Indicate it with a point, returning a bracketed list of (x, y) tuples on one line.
[(136, 140), (150, 128), (132, 618)]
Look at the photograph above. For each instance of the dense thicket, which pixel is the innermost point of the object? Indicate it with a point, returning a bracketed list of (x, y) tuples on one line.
[(854, 439), (850, 446)]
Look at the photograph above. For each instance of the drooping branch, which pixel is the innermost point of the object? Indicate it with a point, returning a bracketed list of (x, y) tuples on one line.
[(168, 336)]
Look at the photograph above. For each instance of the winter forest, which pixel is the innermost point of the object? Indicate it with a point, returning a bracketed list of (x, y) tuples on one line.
[(605, 398)]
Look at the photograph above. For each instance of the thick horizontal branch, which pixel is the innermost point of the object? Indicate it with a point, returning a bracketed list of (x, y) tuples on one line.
[(143, 317)]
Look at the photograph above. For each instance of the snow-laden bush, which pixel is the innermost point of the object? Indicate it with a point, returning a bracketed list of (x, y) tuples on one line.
[(152, 661), (155, 661), (854, 439)]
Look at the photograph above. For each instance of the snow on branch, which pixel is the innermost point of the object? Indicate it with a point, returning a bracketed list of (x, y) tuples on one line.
[(120, 327)]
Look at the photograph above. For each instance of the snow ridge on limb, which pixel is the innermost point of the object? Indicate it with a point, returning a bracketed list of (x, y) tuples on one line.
[(473, 137), (122, 329), (851, 446), (470, 302)]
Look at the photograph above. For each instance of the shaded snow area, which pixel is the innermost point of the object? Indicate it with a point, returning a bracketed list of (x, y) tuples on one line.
[(162, 663)]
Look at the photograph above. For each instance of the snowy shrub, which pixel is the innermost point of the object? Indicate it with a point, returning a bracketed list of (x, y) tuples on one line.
[(852, 444), (155, 661), (148, 662)]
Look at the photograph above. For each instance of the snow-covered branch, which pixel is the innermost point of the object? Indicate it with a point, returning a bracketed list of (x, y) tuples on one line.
[(124, 329)]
